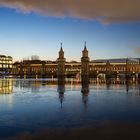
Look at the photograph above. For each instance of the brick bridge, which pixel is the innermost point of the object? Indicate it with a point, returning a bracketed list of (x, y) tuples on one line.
[(97, 68)]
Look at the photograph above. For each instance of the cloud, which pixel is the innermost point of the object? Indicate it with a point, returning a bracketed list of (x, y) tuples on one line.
[(105, 11)]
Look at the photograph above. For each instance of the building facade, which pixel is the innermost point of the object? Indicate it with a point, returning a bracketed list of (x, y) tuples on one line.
[(97, 68), (6, 64)]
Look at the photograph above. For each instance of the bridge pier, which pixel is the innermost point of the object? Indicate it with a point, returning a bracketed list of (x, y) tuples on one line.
[(101, 75)]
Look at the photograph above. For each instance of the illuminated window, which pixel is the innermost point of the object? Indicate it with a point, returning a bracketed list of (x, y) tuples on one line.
[(4, 66)]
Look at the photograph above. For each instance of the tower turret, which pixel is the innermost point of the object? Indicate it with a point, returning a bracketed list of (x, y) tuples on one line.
[(85, 62), (85, 51), (61, 63), (61, 53)]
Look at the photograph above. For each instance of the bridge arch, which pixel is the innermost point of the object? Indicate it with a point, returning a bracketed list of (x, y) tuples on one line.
[(101, 75)]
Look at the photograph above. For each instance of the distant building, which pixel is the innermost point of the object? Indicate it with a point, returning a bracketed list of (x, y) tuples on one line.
[(5, 64)]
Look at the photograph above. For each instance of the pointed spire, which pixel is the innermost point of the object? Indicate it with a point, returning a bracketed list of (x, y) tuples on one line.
[(85, 43), (85, 51), (61, 52), (61, 49), (85, 46)]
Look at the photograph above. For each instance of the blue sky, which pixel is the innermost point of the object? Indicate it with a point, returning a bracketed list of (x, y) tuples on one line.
[(26, 34)]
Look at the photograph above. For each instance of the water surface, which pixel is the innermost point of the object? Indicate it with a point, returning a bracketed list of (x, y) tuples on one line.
[(29, 105)]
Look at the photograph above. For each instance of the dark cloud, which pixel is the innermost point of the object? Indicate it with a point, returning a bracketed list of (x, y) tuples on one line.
[(105, 11)]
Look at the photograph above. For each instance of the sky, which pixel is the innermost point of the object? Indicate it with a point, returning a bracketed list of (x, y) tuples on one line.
[(111, 28)]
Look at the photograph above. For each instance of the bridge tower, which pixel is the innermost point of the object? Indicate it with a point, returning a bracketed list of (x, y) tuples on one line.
[(61, 66), (108, 71), (61, 74), (85, 65)]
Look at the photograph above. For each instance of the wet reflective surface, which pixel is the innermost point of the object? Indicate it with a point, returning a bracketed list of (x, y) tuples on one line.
[(29, 105)]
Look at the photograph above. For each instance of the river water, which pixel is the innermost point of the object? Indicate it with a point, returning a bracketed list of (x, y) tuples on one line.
[(29, 105)]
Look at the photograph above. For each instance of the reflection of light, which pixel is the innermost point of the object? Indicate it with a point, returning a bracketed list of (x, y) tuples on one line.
[(24, 76), (10, 88), (71, 84), (36, 76), (133, 78), (77, 76), (97, 84), (117, 86), (77, 81), (6, 86), (118, 79), (10, 101), (97, 79), (77, 84)]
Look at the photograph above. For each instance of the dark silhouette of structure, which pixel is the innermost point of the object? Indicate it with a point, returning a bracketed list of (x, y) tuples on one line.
[(85, 91), (61, 88)]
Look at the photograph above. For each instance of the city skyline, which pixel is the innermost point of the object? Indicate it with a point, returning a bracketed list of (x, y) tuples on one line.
[(27, 31)]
